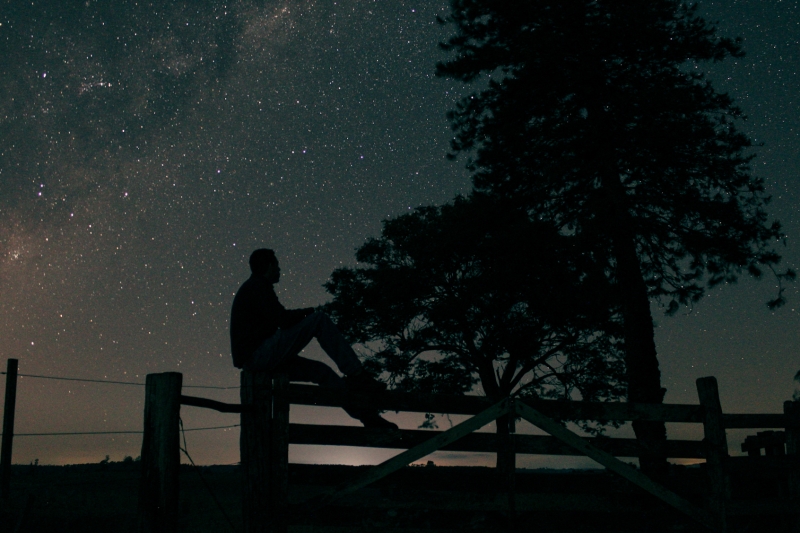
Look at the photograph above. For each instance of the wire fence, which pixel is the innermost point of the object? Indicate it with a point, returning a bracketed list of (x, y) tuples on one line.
[(184, 448), (118, 382), (112, 432), (113, 382)]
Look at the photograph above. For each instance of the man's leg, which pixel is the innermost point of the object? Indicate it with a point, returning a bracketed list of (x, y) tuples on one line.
[(291, 341), (338, 349), (287, 343), (310, 371), (320, 326)]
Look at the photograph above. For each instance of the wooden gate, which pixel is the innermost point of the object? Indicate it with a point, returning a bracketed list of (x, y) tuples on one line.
[(267, 433)]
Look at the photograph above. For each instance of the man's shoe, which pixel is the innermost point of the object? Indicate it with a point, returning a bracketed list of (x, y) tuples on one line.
[(363, 382), (374, 420)]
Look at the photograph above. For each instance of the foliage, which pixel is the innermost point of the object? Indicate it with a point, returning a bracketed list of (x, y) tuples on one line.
[(596, 113), (470, 293), (595, 117)]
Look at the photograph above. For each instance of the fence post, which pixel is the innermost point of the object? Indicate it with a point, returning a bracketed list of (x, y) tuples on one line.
[(792, 412), (8, 427), (716, 444), (254, 449), (279, 453), (511, 466), (158, 487)]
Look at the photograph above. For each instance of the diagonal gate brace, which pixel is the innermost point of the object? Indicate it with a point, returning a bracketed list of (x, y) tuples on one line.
[(615, 465), (409, 456)]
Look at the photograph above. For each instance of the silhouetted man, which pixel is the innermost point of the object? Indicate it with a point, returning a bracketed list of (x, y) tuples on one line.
[(266, 336)]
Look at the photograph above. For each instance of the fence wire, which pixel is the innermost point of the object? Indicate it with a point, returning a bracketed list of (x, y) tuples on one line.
[(111, 432), (113, 382), (117, 382)]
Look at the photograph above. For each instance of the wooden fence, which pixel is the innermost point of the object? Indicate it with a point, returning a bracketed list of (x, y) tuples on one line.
[(266, 434)]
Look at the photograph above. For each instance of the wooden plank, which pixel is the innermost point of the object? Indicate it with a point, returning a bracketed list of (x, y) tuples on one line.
[(476, 442), (403, 459), (158, 486), (389, 400), (279, 454), (211, 404), (717, 447), (311, 395), (254, 447), (615, 465), (754, 421), (563, 410), (8, 428), (470, 405)]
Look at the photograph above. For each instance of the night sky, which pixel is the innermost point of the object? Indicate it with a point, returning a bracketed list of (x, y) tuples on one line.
[(145, 151)]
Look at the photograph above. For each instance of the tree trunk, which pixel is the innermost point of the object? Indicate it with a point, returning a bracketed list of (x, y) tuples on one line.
[(492, 389), (641, 360)]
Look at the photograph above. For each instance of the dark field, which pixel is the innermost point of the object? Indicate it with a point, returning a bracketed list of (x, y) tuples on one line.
[(101, 498)]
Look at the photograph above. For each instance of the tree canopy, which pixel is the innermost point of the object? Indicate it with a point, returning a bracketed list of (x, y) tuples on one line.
[(470, 293), (596, 108), (596, 117)]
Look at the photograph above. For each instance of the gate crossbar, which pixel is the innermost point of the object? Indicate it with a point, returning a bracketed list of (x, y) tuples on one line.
[(615, 465), (409, 456), (539, 420)]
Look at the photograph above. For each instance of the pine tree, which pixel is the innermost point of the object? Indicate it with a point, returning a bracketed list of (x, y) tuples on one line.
[(595, 116)]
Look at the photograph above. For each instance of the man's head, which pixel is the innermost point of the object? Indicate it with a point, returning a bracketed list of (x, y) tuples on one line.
[(264, 263)]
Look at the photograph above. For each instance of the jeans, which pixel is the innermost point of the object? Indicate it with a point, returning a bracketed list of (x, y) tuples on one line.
[(279, 352)]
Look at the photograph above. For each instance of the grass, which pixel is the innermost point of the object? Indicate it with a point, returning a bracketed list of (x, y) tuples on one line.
[(103, 498)]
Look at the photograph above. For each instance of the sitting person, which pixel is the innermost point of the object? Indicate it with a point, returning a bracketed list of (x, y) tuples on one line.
[(265, 336)]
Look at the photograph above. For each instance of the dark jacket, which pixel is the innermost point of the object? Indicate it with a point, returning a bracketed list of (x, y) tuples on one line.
[(256, 315)]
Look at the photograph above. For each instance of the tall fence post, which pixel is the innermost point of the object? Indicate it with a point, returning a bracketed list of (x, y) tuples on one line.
[(279, 453), (8, 428), (254, 448), (792, 412), (509, 466), (716, 444), (158, 487)]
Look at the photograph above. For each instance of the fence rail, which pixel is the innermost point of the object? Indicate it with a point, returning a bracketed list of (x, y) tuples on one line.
[(477, 442), (558, 409)]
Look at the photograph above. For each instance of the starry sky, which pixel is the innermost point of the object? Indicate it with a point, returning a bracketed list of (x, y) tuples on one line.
[(146, 150)]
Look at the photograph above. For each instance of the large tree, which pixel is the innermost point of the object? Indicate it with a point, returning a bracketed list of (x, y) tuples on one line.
[(471, 293), (594, 115)]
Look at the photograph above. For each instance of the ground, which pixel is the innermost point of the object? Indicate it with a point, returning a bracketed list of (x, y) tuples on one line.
[(103, 497)]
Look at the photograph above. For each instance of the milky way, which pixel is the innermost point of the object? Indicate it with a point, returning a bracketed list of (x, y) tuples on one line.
[(146, 150)]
